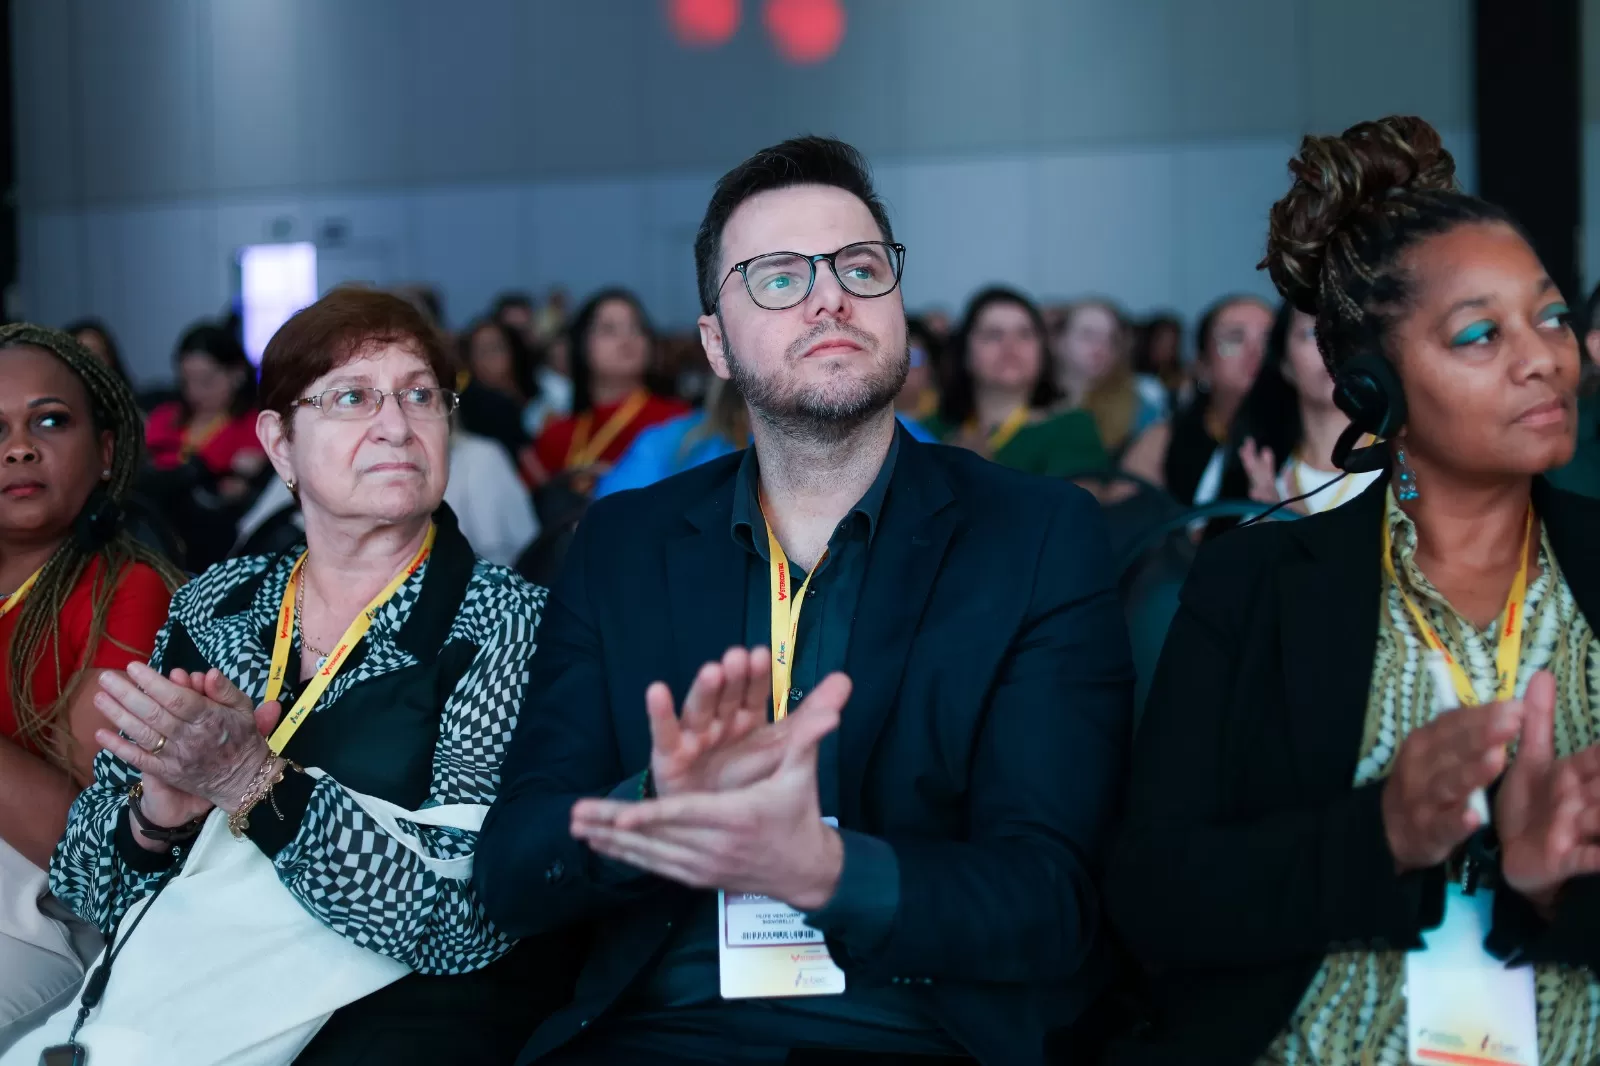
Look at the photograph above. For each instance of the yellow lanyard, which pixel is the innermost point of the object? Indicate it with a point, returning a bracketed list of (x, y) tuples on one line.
[(197, 437), (13, 601), (1005, 430), (785, 620), (341, 652), (585, 450), (1509, 650)]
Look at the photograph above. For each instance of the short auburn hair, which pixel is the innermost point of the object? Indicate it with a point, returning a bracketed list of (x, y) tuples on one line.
[(349, 322)]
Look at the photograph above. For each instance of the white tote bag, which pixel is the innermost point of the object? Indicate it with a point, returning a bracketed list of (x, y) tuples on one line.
[(41, 948), (228, 969)]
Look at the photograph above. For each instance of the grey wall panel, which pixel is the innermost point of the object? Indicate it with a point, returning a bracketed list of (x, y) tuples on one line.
[(359, 84), (472, 99), (591, 104), (1100, 73), (1369, 58), (1237, 65), (256, 89), (144, 99), (48, 86), (966, 82), (177, 98)]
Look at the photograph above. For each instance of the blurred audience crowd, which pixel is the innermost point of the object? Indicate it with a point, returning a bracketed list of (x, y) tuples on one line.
[(388, 608)]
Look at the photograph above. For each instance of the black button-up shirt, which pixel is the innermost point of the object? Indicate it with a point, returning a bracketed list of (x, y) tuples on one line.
[(829, 609)]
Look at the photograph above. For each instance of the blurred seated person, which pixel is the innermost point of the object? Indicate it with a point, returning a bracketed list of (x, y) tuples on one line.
[(97, 339), (721, 427), (206, 464), (1302, 857), (499, 357), (1187, 453), (1093, 366), (516, 310), (550, 319), (1582, 474), (1000, 394), (340, 710), (611, 349), (213, 421), (1288, 426), (919, 397), (78, 596), (1158, 353)]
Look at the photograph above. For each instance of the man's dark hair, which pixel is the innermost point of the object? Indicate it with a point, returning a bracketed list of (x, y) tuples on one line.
[(799, 161)]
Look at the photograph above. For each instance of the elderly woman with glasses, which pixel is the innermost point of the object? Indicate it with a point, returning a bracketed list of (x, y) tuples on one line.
[(297, 778)]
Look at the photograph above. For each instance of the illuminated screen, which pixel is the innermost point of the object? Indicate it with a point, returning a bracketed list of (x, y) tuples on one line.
[(275, 281)]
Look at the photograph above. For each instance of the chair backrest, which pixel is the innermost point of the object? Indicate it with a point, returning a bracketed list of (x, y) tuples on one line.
[(1153, 570), (541, 561), (145, 522), (281, 530), (1131, 506)]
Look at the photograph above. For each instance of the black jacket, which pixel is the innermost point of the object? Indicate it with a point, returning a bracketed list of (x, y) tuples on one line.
[(985, 739), (1247, 855)]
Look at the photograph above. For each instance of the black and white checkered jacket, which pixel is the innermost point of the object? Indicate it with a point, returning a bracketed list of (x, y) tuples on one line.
[(421, 715)]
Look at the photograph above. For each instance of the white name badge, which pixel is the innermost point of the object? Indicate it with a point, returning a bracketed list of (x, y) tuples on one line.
[(765, 949), (1464, 1007)]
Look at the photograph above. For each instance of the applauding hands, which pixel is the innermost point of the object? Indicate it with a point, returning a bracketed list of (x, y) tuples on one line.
[(737, 804), (1548, 811), (1426, 801)]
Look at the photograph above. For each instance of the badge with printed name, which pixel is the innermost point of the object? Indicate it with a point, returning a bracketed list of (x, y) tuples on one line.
[(765, 949), (1464, 1007)]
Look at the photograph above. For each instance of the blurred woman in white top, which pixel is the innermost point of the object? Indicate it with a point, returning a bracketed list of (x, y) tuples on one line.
[(1288, 425)]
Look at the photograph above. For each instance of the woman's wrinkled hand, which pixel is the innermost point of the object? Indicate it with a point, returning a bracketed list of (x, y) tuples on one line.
[(202, 740)]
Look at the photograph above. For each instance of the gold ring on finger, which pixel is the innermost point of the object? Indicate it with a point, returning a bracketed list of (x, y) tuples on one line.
[(161, 742)]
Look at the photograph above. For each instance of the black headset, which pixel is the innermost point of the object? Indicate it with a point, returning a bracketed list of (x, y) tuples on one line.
[(1368, 390)]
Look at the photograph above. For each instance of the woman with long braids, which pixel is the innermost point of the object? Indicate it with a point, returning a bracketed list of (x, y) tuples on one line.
[(1364, 819), (78, 596)]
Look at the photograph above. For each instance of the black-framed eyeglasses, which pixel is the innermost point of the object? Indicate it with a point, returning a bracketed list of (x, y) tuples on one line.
[(353, 403), (779, 280)]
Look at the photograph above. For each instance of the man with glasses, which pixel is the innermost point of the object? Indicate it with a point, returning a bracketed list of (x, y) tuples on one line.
[(825, 735)]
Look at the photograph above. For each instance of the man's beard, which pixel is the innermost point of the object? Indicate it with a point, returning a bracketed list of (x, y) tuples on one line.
[(833, 409)]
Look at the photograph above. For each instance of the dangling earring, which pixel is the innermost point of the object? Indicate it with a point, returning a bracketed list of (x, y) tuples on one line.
[(293, 487), (1405, 477)]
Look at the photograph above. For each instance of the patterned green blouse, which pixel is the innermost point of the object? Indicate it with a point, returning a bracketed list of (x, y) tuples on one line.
[(1354, 1010)]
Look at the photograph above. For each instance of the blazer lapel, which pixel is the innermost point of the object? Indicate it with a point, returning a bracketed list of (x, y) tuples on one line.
[(706, 575), (1570, 521), (914, 528), (1328, 604)]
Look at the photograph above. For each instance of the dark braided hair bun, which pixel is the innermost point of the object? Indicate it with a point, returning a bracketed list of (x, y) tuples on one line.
[(1343, 186)]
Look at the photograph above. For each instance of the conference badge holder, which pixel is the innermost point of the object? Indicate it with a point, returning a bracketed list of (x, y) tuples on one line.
[(1464, 1007), (765, 950)]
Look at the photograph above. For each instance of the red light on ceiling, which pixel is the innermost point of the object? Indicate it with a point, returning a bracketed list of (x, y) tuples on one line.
[(703, 23), (805, 31)]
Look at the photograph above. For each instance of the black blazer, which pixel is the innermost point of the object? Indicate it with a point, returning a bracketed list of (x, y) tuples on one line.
[(985, 739), (1247, 857)]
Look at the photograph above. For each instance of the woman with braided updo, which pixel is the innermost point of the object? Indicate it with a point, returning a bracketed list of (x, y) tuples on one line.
[(78, 596), (1311, 831)]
